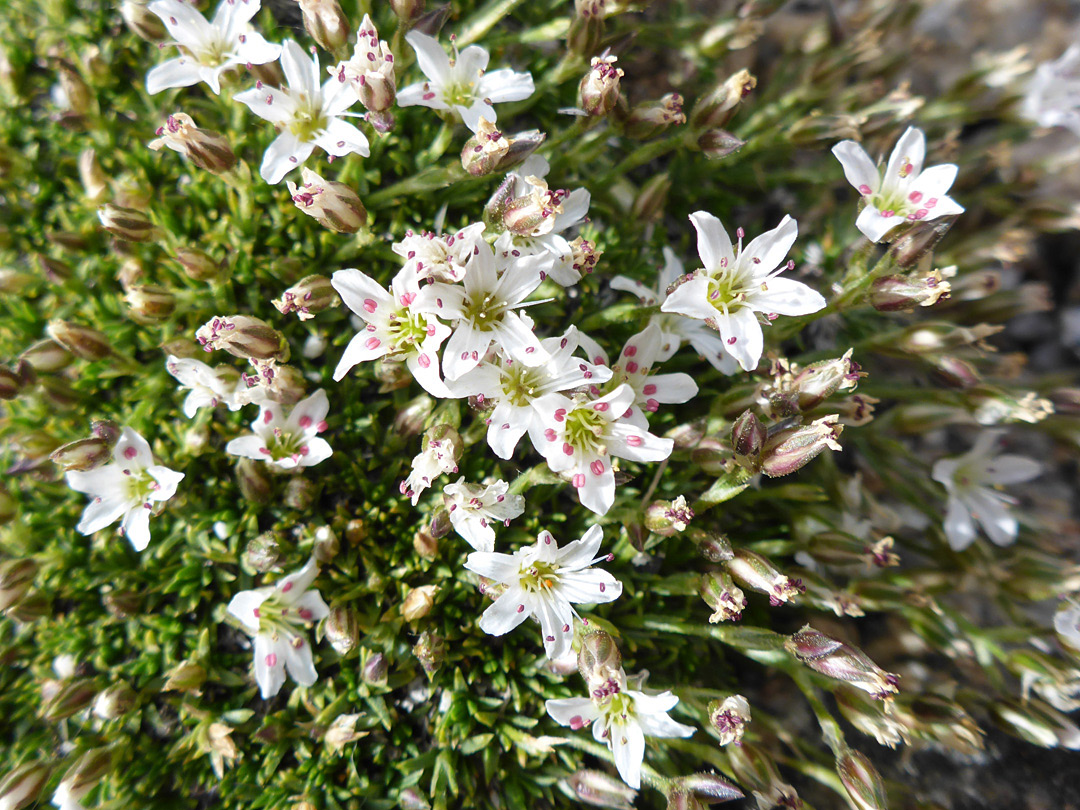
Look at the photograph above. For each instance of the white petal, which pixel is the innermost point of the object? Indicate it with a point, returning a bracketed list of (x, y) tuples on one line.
[(290, 588), (628, 749), (636, 444), (136, 526), (424, 366), (519, 341), (691, 299), (471, 115), (909, 150), (946, 207), (269, 665), (268, 103), (430, 57), (713, 243), (298, 661), (342, 138), (250, 446), (935, 181), (743, 326), (572, 711), (108, 481), (313, 603), (859, 169), (475, 533), (364, 346), (493, 565), (101, 513), (282, 156), (243, 606), (1010, 469), (574, 209), (184, 24), (420, 95), (308, 413), (180, 72), (647, 295), (959, 526), (256, 50), (580, 553), (598, 490), (132, 449), (470, 64), (505, 85), (506, 613), (590, 587), (771, 248), (465, 349), (167, 482), (874, 225), (556, 624), (710, 345), (319, 450), (298, 69), (233, 15), (508, 425), (993, 515), (786, 296), (670, 388)]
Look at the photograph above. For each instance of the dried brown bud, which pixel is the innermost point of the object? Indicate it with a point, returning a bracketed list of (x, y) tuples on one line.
[(375, 669), (312, 294), (587, 27), (904, 293), (748, 436), (254, 483), (207, 150), (264, 553), (83, 455), (126, 223), (23, 785), (430, 651), (115, 701), (187, 676), (150, 303), (69, 698), (94, 182), (81, 341), (407, 10), (47, 356)]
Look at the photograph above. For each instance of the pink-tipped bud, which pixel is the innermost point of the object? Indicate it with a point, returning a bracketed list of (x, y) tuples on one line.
[(756, 572), (723, 596), (243, 336), (836, 659), (714, 110), (599, 89), (748, 437), (375, 670), (333, 204), (587, 27), (370, 70), (862, 782), (82, 455), (485, 150), (904, 293), (534, 214), (651, 118), (791, 449), (311, 295), (208, 150), (668, 518), (597, 789), (730, 718)]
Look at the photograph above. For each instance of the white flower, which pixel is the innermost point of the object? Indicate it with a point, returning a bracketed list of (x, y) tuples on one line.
[(674, 329), (371, 69), (287, 441), (482, 310), (621, 720), (513, 388), (66, 798), (278, 616), (906, 192), (582, 436), (439, 454), (461, 84), (439, 258), (734, 286), (545, 581), (546, 252), (1067, 624), (208, 48), (125, 489), (633, 368), (969, 478), (1053, 96), (308, 115), (473, 508), (394, 328), (209, 386)]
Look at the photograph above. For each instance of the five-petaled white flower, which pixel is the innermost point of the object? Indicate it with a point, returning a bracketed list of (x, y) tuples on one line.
[(208, 49), (674, 328), (209, 386), (1053, 96), (905, 192), (125, 489), (308, 114), (287, 441), (461, 84), (474, 507), (439, 258), (278, 616), (621, 718), (969, 478), (581, 436), (734, 286), (394, 328), (544, 581)]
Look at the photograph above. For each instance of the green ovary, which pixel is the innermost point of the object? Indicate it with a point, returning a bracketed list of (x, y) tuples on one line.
[(538, 577), (585, 428), (307, 121)]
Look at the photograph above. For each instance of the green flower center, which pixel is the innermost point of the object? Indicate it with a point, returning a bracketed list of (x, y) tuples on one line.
[(729, 288), (308, 119), (538, 577), (521, 384), (284, 445), (585, 428), (407, 329), (484, 313), (276, 616), (463, 94), (215, 54), (141, 485)]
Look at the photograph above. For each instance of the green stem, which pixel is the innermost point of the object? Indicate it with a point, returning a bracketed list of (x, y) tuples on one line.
[(484, 20), (430, 179)]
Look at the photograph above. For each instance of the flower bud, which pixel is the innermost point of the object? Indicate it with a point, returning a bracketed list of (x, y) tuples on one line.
[(126, 223), (374, 670), (280, 383), (440, 525), (94, 182), (115, 701), (264, 553), (913, 242), (713, 546), (668, 518), (522, 144), (122, 604), (534, 213), (587, 27), (208, 150), (484, 150), (710, 788), (649, 203), (47, 356), (326, 23), (881, 721), (69, 698), (82, 455), (819, 381), (713, 457), (187, 676), (585, 255), (748, 436), (715, 109), (342, 732), (243, 336), (722, 595), (81, 341), (791, 449), (12, 281), (862, 782), (150, 303), (342, 630), (756, 572), (755, 768), (198, 266), (717, 144), (730, 717), (600, 663), (300, 493), (836, 659), (430, 651), (407, 10), (370, 70), (904, 293), (30, 608), (419, 602), (649, 119), (254, 483), (11, 384), (333, 204), (22, 786), (88, 770), (312, 294), (599, 89), (426, 544), (16, 577), (597, 789), (141, 21), (79, 96)]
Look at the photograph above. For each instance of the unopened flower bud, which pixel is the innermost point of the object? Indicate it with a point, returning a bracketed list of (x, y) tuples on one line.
[(407, 10), (82, 455), (280, 383), (1036, 722), (599, 89), (141, 21), (713, 457), (342, 629), (522, 144), (69, 698), (836, 659), (198, 266), (756, 769), (370, 70), (126, 223), (955, 372), (649, 119), (730, 717), (587, 27), (60, 394), (150, 303), (264, 553), (208, 150), (484, 150), (721, 594), (74, 89), (115, 701), (47, 356), (715, 109), (312, 294), (717, 144), (88, 770), (862, 782), (22, 786), (710, 788), (333, 204), (326, 545), (748, 436), (713, 546), (410, 419), (668, 518), (756, 572), (11, 384), (430, 651), (597, 789), (649, 203), (819, 381), (600, 663), (122, 604), (342, 732), (375, 670), (419, 602), (534, 214), (904, 293), (243, 336), (300, 493), (441, 524), (254, 483), (187, 676), (13, 281), (94, 182), (16, 577), (913, 242), (791, 449), (81, 341), (326, 23), (426, 544)]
